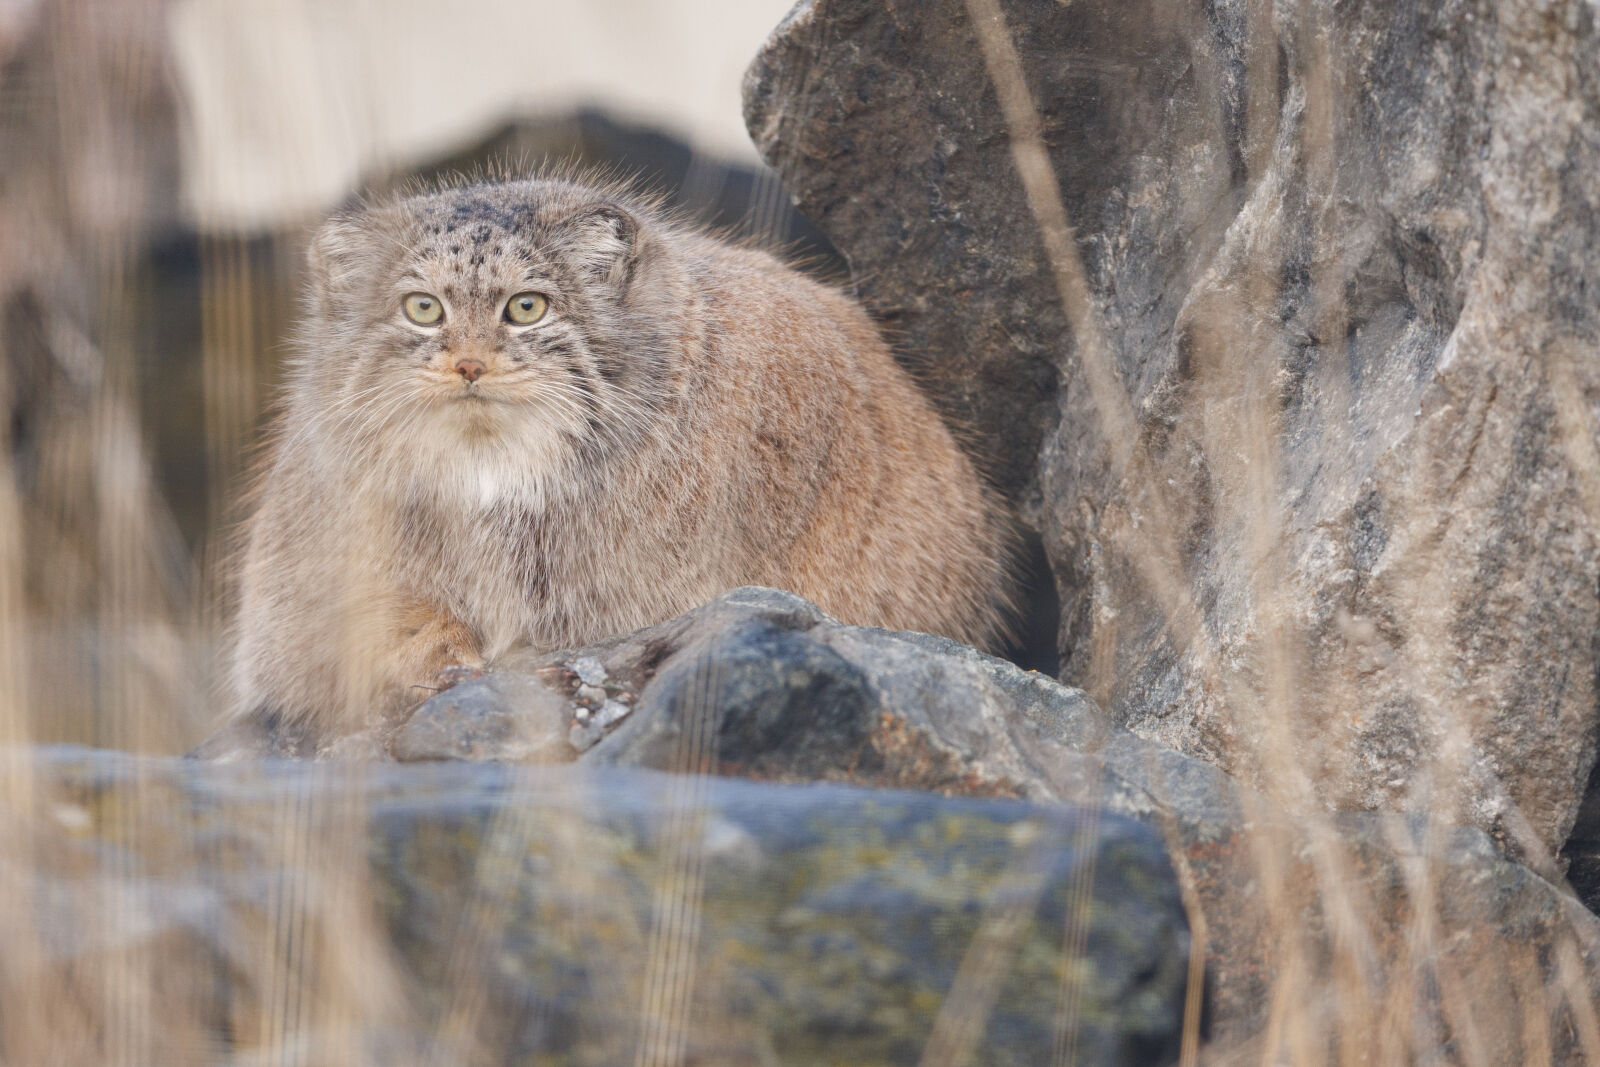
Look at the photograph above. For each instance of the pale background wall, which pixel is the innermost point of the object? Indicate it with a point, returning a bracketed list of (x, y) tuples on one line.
[(291, 102)]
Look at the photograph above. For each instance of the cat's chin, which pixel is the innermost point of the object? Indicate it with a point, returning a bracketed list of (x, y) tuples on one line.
[(472, 413), (495, 431), (476, 413), (470, 463), (479, 406)]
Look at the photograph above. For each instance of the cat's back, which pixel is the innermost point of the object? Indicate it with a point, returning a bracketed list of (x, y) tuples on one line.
[(884, 519)]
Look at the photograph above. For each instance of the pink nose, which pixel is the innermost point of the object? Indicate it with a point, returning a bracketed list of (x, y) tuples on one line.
[(470, 369)]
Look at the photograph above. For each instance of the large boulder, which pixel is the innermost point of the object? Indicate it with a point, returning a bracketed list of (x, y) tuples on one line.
[(334, 912), (1301, 398)]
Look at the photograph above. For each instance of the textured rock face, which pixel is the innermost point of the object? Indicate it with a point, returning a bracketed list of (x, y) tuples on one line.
[(1338, 516), (475, 913), (759, 683)]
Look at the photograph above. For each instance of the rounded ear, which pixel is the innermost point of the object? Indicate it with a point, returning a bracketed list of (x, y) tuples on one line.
[(603, 240), (333, 254)]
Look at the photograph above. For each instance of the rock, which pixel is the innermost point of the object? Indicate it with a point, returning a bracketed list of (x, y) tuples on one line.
[(506, 717), (761, 684), (1357, 913), (611, 712), (590, 671), (588, 727), (753, 696), (478, 913), (1581, 853), (1313, 455)]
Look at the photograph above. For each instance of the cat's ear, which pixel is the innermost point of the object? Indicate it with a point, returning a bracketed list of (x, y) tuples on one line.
[(603, 241), (333, 260)]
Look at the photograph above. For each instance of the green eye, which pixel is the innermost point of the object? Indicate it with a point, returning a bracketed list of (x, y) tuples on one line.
[(525, 309), (424, 309)]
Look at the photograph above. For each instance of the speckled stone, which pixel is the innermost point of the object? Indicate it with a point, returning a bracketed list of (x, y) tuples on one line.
[(556, 906)]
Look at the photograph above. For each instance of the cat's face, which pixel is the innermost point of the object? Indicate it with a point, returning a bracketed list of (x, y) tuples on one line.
[(516, 318)]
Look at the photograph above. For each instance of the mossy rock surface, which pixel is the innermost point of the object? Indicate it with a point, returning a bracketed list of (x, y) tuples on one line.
[(571, 915)]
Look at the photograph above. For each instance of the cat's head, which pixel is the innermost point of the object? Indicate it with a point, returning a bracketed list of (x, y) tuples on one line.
[(533, 319)]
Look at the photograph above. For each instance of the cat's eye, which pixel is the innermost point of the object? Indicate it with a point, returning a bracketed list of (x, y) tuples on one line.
[(525, 309), (424, 309)]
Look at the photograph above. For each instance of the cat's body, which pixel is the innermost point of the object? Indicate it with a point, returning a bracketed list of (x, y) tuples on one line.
[(682, 417)]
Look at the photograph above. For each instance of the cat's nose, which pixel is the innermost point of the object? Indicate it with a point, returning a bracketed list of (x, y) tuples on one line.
[(470, 369)]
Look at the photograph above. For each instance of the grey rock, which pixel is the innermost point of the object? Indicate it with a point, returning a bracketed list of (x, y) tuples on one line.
[(754, 695), (588, 727), (611, 712), (584, 735), (760, 683), (1278, 893), (1339, 264), (480, 913), (506, 717), (589, 670)]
